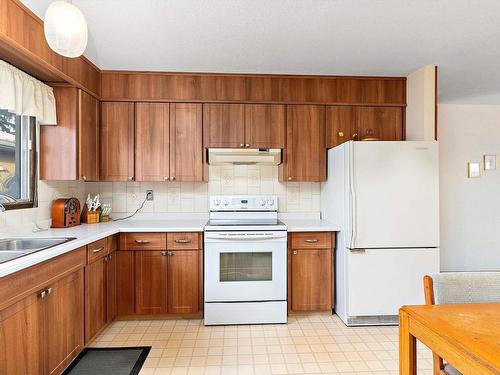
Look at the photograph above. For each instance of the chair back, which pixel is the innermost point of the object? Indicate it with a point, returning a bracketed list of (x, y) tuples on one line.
[(466, 287)]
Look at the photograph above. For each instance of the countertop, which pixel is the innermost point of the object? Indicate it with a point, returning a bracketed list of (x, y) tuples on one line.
[(87, 233)]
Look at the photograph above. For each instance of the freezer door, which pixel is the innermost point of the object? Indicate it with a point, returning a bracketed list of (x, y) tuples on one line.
[(395, 194), (380, 281)]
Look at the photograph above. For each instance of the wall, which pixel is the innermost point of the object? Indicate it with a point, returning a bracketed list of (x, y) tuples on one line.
[(421, 104), (470, 208), (171, 197)]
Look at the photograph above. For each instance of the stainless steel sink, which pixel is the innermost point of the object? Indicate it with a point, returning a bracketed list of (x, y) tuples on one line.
[(12, 248)]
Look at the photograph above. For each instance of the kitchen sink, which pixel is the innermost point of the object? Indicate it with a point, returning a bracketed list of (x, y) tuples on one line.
[(12, 248)]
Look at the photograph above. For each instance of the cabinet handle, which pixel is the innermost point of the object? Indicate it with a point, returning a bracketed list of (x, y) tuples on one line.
[(106, 258), (130, 178), (289, 179), (166, 178), (98, 250), (242, 145), (142, 242), (247, 145), (42, 294), (163, 253), (172, 178), (311, 240), (84, 178), (340, 134), (355, 135), (182, 241), (170, 253), (295, 252), (49, 291)]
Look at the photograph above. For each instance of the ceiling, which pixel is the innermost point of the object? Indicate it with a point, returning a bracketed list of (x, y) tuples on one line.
[(338, 37)]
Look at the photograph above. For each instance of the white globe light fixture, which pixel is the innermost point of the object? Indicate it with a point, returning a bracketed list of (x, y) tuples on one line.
[(65, 29)]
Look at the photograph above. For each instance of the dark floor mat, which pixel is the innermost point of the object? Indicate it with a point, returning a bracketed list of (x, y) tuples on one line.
[(109, 361)]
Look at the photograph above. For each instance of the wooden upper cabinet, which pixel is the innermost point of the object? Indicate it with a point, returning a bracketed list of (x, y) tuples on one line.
[(186, 142), (345, 123), (265, 125), (117, 141), (76, 136), (383, 123), (152, 142), (224, 125), (305, 155), (88, 137)]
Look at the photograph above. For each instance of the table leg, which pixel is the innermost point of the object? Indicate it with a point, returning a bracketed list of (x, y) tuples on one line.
[(407, 346)]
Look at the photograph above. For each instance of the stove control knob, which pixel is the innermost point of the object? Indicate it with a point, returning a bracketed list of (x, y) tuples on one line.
[(262, 202), (225, 202), (270, 202), (217, 202)]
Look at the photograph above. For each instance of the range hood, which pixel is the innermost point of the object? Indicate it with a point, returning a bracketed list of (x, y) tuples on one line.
[(244, 156)]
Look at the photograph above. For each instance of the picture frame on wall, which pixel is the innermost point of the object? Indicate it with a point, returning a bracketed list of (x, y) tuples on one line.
[(474, 169)]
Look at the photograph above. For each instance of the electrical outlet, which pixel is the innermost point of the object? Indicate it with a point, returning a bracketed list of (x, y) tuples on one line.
[(149, 195)]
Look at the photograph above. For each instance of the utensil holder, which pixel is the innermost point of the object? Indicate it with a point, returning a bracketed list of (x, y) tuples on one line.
[(105, 218), (92, 217)]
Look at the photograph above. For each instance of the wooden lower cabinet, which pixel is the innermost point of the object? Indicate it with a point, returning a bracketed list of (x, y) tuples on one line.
[(167, 282), (95, 298), (151, 282), (183, 281), (111, 287), (43, 333), (125, 281), (310, 272)]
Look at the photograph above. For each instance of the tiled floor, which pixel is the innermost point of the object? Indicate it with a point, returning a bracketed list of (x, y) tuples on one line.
[(313, 344)]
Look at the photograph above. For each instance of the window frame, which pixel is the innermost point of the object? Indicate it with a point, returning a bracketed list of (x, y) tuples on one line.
[(33, 180)]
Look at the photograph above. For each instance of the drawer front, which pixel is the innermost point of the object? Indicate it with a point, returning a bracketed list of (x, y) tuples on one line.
[(311, 240), (96, 250), (143, 241), (183, 241)]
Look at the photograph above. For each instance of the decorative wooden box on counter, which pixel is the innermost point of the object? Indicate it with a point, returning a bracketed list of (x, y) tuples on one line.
[(310, 271), (159, 273)]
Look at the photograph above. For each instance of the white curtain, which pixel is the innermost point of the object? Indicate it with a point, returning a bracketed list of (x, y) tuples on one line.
[(22, 94)]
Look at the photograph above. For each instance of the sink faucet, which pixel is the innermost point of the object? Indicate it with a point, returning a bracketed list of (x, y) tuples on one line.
[(2, 208)]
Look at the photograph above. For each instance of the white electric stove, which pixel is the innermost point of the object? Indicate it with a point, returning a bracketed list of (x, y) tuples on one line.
[(245, 261)]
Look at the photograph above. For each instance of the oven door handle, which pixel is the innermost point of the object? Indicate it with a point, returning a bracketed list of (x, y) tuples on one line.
[(244, 238)]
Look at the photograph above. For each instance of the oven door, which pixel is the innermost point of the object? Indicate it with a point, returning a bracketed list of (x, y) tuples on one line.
[(245, 266)]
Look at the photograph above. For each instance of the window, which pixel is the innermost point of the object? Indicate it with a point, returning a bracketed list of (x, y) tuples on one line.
[(17, 161)]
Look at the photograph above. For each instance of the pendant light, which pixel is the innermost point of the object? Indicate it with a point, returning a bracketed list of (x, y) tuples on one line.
[(65, 29)]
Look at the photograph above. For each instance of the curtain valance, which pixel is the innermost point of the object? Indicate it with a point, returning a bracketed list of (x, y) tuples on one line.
[(22, 94)]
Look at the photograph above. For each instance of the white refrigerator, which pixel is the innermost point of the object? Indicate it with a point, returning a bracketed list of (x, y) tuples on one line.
[(385, 198)]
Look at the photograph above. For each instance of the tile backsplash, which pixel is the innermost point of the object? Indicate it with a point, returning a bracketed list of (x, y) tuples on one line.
[(171, 197)]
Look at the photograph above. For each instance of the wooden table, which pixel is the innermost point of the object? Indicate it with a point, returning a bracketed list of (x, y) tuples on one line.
[(465, 336)]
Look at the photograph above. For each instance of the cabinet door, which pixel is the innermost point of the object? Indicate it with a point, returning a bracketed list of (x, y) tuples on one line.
[(61, 139), (383, 123), (340, 125), (95, 298), (311, 279), (20, 335), (117, 141), (152, 142), (125, 282), (265, 125), (150, 282), (305, 156), (224, 125), (183, 281), (186, 142), (88, 139), (64, 322), (111, 287)]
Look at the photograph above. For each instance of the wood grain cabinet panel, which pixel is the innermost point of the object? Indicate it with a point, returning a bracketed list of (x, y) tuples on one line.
[(186, 142), (305, 154), (183, 241), (125, 282), (152, 141), (345, 123), (95, 298), (311, 279), (63, 317), (111, 309), (76, 136), (150, 282), (224, 125), (143, 241), (183, 282), (265, 125), (117, 141), (20, 337)]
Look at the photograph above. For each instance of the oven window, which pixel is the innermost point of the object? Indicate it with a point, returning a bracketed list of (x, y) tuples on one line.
[(246, 266)]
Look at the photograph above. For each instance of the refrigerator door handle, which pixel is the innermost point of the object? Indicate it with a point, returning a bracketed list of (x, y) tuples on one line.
[(358, 251), (353, 196)]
